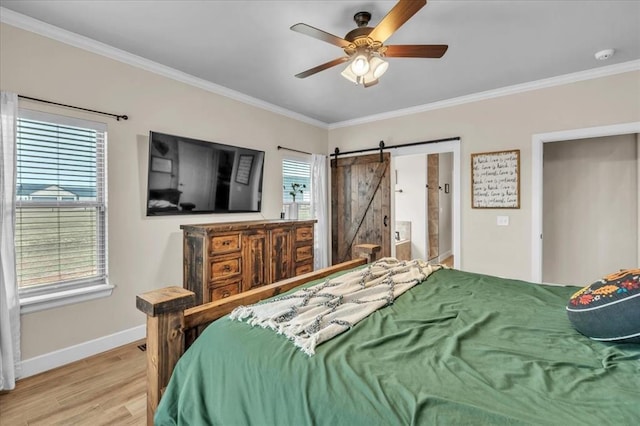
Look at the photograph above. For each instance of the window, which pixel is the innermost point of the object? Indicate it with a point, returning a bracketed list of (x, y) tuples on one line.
[(297, 172), (61, 209)]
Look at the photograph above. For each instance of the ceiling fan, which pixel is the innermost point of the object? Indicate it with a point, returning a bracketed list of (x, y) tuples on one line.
[(364, 46)]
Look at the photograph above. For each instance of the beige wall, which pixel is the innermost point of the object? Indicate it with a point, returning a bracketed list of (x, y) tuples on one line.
[(590, 208), (144, 253), (497, 124)]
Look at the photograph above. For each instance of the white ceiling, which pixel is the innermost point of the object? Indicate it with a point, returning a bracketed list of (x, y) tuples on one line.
[(247, 46)]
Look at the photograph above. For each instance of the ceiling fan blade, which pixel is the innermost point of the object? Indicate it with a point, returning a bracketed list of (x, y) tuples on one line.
[(319, 34), (322, 67), (397, 16), (416, 50)]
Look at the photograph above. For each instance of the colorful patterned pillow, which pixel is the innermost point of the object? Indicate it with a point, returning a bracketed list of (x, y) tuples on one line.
[(609, 309)]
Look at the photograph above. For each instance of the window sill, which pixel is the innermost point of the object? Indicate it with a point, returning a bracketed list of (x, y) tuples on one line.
[(35, 303)]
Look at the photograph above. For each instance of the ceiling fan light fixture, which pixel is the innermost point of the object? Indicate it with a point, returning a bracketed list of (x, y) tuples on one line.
[(365, 47), (360, 65), (378, 66), (369, 83), (349, 75)]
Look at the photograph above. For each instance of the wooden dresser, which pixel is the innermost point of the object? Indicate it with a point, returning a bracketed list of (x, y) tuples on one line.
[(222, 259)]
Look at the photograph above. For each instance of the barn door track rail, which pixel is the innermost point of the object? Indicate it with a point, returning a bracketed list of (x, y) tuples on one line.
[(381, 147)]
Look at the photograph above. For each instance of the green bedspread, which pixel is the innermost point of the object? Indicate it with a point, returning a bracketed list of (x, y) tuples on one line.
[(459, 348)]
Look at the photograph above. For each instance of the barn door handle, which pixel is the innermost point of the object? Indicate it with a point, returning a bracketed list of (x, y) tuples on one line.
[(385, 220)]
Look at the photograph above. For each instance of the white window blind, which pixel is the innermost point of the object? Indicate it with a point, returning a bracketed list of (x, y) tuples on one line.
[(295, 171), (61, 203)]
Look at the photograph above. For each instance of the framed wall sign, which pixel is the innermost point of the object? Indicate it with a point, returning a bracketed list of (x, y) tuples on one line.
[(162, 165), (244, 169), (495, 180)]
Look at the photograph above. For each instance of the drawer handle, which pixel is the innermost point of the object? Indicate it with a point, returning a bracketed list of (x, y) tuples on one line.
[(226, 268), (226, 242), (226, 293)]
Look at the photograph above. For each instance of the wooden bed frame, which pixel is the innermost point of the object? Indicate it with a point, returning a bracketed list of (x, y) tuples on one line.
[(171, 315)]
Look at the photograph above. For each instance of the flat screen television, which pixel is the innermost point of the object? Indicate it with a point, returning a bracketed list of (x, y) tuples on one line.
[(190, 176)]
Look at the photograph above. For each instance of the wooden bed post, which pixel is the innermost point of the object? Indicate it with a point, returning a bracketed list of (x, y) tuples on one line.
[(368, 251), (165, 339)]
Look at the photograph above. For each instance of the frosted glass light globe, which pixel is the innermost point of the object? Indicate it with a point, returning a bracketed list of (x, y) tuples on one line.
[(360, 65)]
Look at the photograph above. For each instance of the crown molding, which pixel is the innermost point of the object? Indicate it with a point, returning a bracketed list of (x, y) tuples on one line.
[(495, 93), (27, 23)]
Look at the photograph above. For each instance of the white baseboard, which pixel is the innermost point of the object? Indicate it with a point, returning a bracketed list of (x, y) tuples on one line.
[(46, 362)]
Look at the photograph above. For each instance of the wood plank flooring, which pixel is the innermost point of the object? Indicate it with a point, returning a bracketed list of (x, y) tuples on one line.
[(106, 389)]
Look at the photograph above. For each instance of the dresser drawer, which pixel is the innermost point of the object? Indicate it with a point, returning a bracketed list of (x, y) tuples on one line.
[(303, 269), (304, 253), (224, 268), (217, 293), (304, 233), (225, 243)]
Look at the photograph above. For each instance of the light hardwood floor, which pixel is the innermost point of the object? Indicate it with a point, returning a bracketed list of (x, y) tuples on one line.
[(106, 389)]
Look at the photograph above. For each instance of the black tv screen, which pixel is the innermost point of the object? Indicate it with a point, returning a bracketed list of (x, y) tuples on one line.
[(190, 176)]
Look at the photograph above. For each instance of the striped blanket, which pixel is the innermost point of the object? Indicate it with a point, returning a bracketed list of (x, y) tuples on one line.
[(318, 313)]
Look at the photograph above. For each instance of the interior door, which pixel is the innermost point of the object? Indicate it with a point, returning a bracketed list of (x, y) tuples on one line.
[(197, 175), (360, 204)]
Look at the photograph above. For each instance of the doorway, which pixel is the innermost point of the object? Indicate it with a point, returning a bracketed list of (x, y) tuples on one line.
[(429, 215), (423, 206), (590, 208), (538, 142)]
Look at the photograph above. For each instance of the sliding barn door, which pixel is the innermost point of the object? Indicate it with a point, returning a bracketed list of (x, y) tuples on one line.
[(360, 204)]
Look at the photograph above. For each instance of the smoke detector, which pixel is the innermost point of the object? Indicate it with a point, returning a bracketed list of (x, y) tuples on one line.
[(605, 54)]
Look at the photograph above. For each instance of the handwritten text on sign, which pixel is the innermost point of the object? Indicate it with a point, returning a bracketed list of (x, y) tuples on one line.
[(496, 179)]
